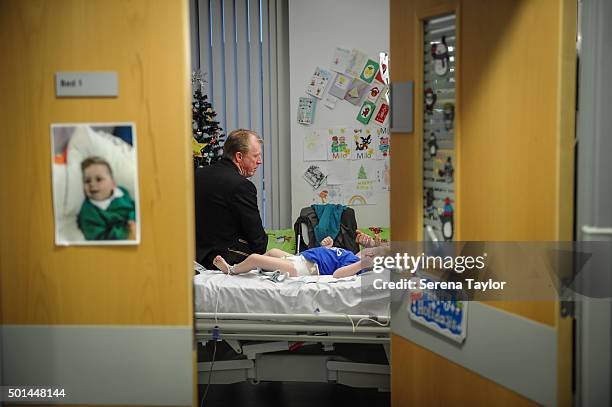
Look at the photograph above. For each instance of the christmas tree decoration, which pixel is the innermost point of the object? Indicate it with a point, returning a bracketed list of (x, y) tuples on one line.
[(439, 53), (430, 100), (208, 137)]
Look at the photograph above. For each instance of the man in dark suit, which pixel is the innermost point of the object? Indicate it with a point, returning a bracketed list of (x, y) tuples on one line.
[(227, 217)]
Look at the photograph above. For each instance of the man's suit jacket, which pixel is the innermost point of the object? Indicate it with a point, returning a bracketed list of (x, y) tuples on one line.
[(227, 216)]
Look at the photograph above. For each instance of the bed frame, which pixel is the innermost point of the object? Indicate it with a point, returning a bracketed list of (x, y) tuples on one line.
[(262, 343)]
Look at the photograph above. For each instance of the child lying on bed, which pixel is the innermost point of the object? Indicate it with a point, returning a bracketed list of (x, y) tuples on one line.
[(324, 260)]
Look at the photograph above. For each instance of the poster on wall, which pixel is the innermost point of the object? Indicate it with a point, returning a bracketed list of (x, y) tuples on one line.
[(95, 184)]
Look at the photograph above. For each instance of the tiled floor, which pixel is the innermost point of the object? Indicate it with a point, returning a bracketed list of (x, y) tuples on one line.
[(286, 394)]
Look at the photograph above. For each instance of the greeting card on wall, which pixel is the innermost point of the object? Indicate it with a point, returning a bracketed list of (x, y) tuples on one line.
[(382, 145), (381, 114), (318, 82), (382, 76), (363, 147), (374, 91), (369, 71), (315, 146), (306, 108), (338, 145), (341, 59), (340, 86), (356, 63), (366, 112), (356, 91)]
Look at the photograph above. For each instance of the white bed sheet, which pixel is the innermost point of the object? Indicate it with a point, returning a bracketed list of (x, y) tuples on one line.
[(254, 293)]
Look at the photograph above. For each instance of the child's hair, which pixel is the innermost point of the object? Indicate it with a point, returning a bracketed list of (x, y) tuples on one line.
[(89, 161)]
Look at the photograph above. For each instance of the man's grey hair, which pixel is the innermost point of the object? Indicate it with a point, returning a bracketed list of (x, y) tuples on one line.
[(238, 141)]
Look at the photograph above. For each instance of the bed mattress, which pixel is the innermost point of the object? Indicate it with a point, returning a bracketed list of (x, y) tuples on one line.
[(253, 292)]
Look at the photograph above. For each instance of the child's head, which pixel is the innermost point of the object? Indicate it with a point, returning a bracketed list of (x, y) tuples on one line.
[(98, 181)]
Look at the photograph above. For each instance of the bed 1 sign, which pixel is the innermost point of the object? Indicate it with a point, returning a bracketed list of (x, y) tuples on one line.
[(83, 84)]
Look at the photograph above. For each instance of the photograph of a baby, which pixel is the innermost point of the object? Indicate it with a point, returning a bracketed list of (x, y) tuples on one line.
[(95, 184)]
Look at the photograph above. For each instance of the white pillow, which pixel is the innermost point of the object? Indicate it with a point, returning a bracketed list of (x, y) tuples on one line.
[(85, 143)]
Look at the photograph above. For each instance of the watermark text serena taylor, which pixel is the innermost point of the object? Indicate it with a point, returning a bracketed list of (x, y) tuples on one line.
[(425, 284)]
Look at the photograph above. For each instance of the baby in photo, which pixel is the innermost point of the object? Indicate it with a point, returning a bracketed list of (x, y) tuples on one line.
[(108, 212)]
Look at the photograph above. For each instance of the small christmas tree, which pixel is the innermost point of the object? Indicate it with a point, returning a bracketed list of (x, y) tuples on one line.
[(208, 137)]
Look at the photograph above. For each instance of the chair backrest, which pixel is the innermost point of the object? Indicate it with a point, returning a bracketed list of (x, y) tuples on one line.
[(305, 235)]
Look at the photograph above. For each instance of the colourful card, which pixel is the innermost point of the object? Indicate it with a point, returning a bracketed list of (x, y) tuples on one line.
[(340, 86), (363, 145), (356, 63), (381, 115), (374, 91), (341, 59), (306, 108), (318, 82), (356, 92), (369, 71), (339, 147), (366, 112)]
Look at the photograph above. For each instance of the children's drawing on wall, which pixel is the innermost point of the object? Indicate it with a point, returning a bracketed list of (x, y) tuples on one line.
[(328, 194), (95, 184), (363, 145), (314, 176), (339, 147), (382, 143), (340, 60), (315, 145), (356, 63), (318, 82)]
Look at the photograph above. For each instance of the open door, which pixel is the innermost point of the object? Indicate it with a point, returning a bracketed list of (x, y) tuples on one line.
[(511, 149)]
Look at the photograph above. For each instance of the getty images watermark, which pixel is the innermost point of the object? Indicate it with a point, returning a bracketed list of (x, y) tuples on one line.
[(528, 270)]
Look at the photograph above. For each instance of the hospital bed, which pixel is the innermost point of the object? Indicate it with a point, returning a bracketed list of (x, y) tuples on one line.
[(312, 329)]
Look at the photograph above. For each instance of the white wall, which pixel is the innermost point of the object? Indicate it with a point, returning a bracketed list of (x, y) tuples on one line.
[(316, 28)]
